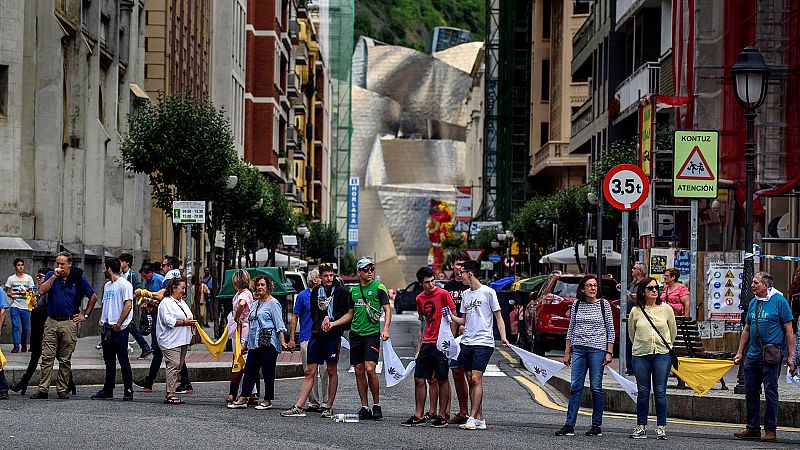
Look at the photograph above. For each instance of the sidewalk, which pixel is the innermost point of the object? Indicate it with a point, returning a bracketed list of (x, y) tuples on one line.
[(716, 405), (88, 366)]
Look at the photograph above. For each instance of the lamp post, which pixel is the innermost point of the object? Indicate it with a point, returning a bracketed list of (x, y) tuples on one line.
[(750, 75), (594, 200), (509, 236), (501, 238), (232, 181), (304, 233), (254, 239), (495, 245)]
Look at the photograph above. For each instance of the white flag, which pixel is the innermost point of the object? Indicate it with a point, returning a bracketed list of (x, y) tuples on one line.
[(345, 343), (792, 379), (540, 366), (395, 372), (446, 343), (627, 385)]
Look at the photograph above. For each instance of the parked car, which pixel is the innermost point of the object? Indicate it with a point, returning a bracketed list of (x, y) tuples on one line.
[(406, 299), (523, 291), (298, 280), (506, 296), (547, 314)]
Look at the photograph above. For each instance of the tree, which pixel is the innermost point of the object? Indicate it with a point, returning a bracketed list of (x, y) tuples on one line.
[(484, 238), (322, 241), (532, 225), (275, 220), (570, 206), (185, 146)]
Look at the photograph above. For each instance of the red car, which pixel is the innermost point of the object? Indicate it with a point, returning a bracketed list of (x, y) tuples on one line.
[(547, 314)]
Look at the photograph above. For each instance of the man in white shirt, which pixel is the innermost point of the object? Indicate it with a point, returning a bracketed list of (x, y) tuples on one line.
[(479, 309), (17, 287), (114, 321)]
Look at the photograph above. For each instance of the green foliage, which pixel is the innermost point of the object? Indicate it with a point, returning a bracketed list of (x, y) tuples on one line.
[(570, 207), (184, 144), (532, 223), (348, 264), (323, 240), (623, 151), (484, 238), (409, 23)]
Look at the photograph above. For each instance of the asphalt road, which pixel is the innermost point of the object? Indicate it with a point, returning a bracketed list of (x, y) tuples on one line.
[(514, 418)]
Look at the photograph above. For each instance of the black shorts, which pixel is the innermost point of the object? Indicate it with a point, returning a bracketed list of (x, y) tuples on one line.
[(364, 348), (431, 362), (323, 349)]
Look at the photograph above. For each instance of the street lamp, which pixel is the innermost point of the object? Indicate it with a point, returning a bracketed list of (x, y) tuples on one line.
[(750, 75), (254, 239), (304, 233), (230, 185)]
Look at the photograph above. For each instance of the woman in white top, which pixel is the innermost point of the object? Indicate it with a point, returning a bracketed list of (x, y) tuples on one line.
[(174, 332), (238, 319)]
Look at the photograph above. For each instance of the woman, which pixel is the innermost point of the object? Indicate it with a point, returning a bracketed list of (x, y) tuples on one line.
[(590, 345), (237, 318), (674, 293), (174, 329), (265, 340), (38, 318), (651, 360), (794, 297)]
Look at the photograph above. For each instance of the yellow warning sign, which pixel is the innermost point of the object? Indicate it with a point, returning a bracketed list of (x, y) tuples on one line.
[(729, 283), (729, 293), (729, 274)]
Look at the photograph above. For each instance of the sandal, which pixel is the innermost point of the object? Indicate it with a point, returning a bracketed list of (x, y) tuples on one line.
[(263, 406), (229, 399), (172, 400), (252, 401)]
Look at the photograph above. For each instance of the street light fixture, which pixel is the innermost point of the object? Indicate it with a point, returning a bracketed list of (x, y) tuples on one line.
[(233, 180), (254, 239), (304, 233), (750, 75)]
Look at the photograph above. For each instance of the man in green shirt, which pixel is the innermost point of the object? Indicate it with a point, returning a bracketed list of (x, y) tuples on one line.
[(371, 299)]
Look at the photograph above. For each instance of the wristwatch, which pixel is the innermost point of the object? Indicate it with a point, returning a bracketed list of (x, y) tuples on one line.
[(86, 317)]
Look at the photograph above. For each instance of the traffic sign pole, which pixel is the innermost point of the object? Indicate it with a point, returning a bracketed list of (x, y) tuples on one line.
[(693, 261), (623, 321)]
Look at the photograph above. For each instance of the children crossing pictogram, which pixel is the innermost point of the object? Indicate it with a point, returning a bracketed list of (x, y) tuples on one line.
[(695, 167)]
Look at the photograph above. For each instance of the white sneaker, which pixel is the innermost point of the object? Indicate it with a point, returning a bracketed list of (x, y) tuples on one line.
[(639, 433), (470, 425), (480, 424), (661, 433)]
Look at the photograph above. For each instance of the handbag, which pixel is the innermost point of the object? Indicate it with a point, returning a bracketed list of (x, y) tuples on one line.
[(105, 333), (770, 353), (672, 356), (373, 314), (264, 334), (145, 323)]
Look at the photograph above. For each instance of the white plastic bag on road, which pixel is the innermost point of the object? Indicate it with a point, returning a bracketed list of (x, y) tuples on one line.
[(395, 372), (542, 367)]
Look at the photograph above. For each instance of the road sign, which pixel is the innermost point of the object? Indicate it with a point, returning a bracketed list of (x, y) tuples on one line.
[(625, 187), (591, 247), (448, 274), (487, 265), (474, 253), (494, 258), (509, 261), (352, 212), (339, 251), (188, 212), (696, 164)]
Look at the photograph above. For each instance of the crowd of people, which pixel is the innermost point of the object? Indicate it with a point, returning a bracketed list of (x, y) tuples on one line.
[(48, 309)]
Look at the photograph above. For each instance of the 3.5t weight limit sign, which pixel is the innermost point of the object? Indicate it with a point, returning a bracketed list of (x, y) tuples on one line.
[(625, 187)]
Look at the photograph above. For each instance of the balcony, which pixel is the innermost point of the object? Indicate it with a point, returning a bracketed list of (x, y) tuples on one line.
[(578, 94), (294, 32), (299, 106), (581, 38), (582, 118), (291, 137), (300, 52), (292, 85), (555, 154), (628, 8), (641, 82)]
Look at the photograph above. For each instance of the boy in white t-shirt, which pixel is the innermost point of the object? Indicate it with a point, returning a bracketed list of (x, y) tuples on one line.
[(17, 287), (479, 309)]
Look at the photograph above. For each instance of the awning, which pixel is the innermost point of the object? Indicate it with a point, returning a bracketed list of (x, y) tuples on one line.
[(567, 256), (137, 91)]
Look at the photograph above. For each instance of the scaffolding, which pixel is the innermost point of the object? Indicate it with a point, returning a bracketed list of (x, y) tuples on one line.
[(340, 18)]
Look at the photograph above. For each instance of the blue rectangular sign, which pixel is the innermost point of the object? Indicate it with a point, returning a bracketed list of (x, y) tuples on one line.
[(352, 213)]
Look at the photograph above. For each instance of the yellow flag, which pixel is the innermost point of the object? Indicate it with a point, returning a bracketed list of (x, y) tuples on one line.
[(2, 360), (31, 300), (702, 374), (214, 347), (238, 358)]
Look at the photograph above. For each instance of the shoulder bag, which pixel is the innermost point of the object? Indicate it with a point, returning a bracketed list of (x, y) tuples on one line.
[(672, 356), (264, 334), (195, 338), (770, 353), (373, 314)]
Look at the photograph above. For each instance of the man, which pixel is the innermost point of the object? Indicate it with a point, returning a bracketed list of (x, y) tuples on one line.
[(169, 266), (208, 282), (455, 287), (331, 310), (65, 287), (369, 298), (125, 262), (768, 321), (638, 271), (302, 312), (114, 322), (479, 307), (153, 282), (17, 287), (431, 363)]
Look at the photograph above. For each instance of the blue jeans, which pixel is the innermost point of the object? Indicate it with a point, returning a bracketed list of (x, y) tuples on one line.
[(3, 383), (757, 372), (20, 319), (586, 358), (651, 369)]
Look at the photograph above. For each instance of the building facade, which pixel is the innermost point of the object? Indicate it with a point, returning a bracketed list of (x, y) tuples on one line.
[(227, 68)]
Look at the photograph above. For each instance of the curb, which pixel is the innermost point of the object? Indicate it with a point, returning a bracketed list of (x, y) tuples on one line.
[(686, 405), (95, 374)]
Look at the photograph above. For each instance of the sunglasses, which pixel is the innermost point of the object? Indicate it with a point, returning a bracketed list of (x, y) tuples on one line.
[(651, 288), (590, 285), (368, 269)]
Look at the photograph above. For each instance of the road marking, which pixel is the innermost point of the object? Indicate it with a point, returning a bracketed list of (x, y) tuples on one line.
[(378, 368), (541, 397), (493, 371)]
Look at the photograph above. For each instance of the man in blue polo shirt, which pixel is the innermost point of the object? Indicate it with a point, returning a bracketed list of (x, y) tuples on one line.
[(66, 287), (302, 312)]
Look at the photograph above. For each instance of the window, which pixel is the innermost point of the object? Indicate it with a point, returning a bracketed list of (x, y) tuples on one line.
[(545, 80), (546, 19), (544, 133), (105, 22), (3, 91)]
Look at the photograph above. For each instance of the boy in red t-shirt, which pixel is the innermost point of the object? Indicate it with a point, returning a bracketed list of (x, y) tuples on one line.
[(431, 363)]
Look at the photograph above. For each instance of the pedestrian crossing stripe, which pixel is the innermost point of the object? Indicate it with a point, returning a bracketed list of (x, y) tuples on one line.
[(491, 370), (729, 284)]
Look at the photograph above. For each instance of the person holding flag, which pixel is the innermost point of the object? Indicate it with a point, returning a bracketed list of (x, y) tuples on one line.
[(432, 302), (479, 308)]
